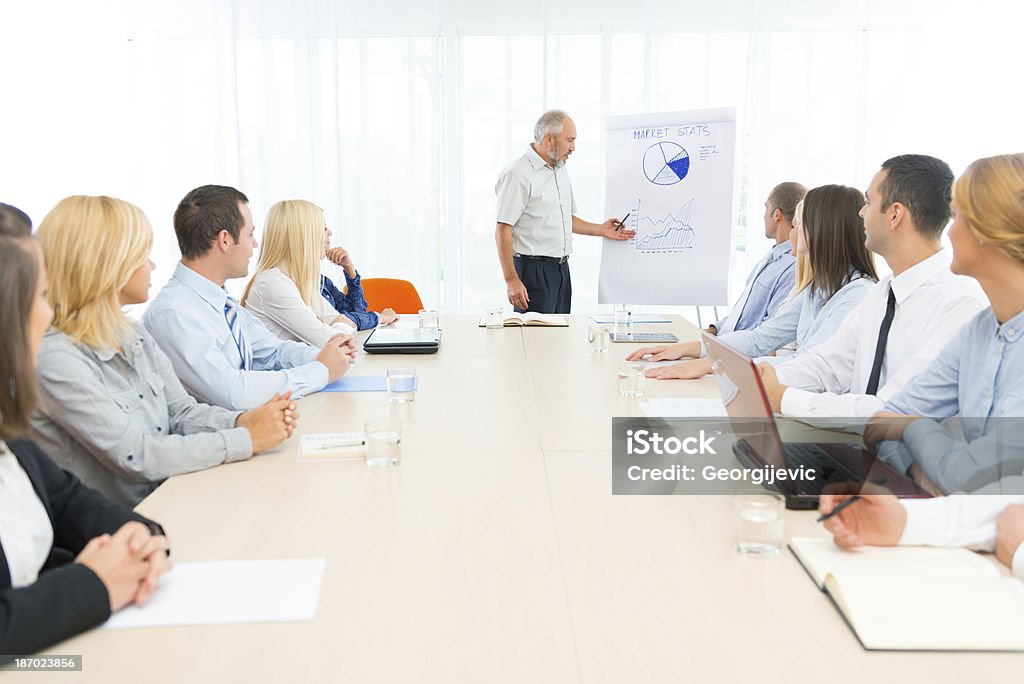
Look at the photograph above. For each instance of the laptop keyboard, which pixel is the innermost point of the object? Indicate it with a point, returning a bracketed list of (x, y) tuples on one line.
[(829, 470)]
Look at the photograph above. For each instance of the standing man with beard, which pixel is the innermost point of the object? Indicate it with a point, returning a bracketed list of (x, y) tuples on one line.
[(537, 217)]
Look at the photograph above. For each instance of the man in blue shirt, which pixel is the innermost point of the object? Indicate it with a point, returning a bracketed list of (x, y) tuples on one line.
[(770, 281), (221, 352)]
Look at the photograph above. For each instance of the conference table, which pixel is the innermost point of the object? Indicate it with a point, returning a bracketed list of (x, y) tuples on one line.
[(496, 552)]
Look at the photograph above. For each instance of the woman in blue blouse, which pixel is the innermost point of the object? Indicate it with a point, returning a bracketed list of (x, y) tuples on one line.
[(351, 303), (831, 233), (977, 376)]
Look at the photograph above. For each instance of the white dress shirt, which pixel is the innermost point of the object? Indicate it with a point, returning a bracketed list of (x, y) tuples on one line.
[(961, 520), (274, 299), (536, 199), (187, 321), (830, 379), (25, 530)]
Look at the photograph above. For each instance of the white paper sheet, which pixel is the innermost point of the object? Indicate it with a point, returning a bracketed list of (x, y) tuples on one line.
[(683, 408), (673, 173), (332, 446), (609, 319), (224, 592)]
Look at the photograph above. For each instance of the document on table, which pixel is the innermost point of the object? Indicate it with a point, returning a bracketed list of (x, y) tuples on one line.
[(225, 592), (358, 383), (609, 319), (683, 408), (332, 446)]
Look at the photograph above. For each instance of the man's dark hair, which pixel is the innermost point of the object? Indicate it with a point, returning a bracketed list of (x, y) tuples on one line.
[(202, 214), (14, 222), (835, 238), (785, 197), (924, 185)]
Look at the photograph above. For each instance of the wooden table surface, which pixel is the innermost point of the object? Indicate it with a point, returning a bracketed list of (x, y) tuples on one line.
[(496, 552)]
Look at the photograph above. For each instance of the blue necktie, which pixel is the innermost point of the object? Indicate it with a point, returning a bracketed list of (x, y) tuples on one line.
[(237, 332)]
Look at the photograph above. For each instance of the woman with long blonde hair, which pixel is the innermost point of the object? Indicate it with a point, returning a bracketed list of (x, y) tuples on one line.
[(287, 291), (111, 409)]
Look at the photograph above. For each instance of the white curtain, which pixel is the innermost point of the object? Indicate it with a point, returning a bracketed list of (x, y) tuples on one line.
[(396, 117)]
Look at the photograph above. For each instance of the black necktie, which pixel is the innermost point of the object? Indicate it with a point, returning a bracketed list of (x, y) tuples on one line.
[(883, 338)]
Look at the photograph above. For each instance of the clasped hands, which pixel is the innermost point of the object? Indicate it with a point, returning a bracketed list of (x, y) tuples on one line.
[(128, 562)]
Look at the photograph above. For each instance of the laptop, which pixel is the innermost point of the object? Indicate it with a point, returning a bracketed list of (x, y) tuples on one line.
[(746, 402), (402, 341)]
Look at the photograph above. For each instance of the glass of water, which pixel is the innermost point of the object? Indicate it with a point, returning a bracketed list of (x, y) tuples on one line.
[(493, 318), (401, 385), (759, 523), (631, 380), (428, 321), (623, 318), (383, 441), (598, 336)]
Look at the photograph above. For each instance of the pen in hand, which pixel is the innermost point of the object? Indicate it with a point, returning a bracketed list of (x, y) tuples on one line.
[(852, 500), (623, 221)]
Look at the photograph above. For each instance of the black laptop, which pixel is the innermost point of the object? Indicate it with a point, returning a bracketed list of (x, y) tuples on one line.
[(747, 405), (402, 341)]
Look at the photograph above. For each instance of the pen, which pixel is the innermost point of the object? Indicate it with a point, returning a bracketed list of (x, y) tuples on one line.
[(852, 500), (340, 445), (623, 221), (849, 502)]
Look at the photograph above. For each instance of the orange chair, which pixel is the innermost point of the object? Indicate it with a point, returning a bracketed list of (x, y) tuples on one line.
[(400, 295)]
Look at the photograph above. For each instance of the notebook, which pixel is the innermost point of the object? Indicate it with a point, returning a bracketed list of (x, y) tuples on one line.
[(916, 598), (530, 318)]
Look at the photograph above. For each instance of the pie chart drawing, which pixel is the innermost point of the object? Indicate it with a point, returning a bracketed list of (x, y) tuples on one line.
[(666, 163)]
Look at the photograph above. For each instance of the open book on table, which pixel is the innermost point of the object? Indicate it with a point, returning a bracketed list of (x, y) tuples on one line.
[(531, 318), (914, 598)]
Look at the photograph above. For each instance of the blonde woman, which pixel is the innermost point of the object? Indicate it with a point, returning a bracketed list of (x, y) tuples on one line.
[(286, 292), (111, 409), (804, 273)]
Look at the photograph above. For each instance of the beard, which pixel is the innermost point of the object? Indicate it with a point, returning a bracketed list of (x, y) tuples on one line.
[(555, 162)]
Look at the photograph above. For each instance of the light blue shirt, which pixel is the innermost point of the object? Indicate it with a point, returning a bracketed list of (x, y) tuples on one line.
[(978, 376), (769, 285), (187, 320), (809, 319)]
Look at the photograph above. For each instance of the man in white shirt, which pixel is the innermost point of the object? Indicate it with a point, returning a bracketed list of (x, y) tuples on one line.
[(903, 323), (980, 522), (537, 217), (222, 353)]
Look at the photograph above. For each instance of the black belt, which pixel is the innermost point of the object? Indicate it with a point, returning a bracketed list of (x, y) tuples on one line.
[(552, 260)]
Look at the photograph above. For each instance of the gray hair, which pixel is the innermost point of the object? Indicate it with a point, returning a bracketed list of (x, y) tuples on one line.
[(549, 122)]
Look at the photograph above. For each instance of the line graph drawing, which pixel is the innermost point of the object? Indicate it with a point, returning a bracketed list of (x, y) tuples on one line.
[(670, 233), (666, 163)]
